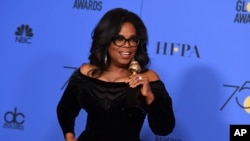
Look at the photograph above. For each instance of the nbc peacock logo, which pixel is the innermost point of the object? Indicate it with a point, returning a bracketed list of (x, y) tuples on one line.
[(24, 34)]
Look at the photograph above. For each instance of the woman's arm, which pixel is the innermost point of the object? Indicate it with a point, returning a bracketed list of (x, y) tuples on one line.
[(160, 112), (68, 107)]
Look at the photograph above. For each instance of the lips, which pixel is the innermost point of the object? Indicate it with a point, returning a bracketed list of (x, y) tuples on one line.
[(125, 54)]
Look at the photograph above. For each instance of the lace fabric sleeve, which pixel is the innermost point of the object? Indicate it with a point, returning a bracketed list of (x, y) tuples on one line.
[(160, 112), (68, 107)]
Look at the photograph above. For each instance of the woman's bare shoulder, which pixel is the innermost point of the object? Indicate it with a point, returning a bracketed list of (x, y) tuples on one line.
[(86, 68), (152, 75)]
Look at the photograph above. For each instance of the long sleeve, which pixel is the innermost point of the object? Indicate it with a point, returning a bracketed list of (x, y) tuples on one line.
[(160, 112), (68, 107)]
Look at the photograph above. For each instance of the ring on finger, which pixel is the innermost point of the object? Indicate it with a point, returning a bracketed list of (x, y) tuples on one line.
[(140, 78)]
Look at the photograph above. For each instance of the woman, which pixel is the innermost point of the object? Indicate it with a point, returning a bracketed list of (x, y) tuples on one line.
[(116, 102)]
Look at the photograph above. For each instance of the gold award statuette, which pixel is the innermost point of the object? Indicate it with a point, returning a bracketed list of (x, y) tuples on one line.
[(133, 93), (134, 68)]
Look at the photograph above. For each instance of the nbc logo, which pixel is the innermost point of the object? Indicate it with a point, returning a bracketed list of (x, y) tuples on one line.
[(24, 34)]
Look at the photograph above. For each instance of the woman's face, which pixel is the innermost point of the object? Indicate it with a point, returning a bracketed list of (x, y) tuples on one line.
[(121, 54)]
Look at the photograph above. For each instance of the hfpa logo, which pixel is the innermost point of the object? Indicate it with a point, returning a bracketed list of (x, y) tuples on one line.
[(24, 34), (177, 49)]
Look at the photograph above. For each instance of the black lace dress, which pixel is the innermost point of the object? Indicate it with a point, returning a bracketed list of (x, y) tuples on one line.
[(110, 115)]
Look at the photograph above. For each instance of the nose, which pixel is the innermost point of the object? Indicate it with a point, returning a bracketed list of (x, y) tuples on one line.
[(126, 43)]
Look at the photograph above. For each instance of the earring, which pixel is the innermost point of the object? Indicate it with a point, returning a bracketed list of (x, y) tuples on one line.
[(105, 59)]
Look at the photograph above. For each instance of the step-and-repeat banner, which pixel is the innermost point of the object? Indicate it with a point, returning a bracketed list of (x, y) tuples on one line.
[(200, 50)]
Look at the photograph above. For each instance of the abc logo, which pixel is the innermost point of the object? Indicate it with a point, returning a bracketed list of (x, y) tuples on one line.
[(14, 117)]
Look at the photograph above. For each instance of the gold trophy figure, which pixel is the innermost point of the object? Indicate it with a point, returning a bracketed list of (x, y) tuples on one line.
[(133, 93), (134, 68)]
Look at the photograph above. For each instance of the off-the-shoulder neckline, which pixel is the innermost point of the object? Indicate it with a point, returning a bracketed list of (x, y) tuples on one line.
[(107, 82)]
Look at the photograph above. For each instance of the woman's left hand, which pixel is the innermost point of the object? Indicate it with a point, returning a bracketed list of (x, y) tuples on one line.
[(140, 79)]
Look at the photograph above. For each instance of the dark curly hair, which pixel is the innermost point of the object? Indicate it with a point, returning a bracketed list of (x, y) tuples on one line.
[(109, 26)]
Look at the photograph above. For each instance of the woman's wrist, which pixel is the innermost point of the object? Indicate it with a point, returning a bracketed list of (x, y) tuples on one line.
[(150, 98), (70, 137)]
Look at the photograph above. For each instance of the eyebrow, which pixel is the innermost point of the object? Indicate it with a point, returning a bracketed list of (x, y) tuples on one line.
[(128, 37)]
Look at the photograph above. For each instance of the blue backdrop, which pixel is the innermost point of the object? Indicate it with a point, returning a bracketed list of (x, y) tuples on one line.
[(200, 50)]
